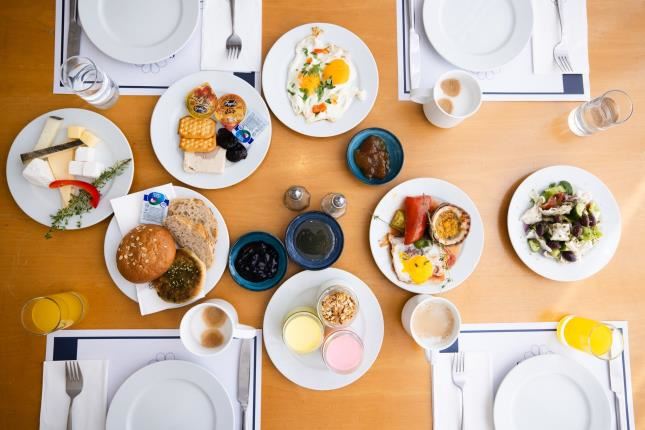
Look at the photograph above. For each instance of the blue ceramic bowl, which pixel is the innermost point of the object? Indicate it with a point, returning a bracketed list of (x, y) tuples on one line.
[(393, 146), (303, 260), (257, 236)]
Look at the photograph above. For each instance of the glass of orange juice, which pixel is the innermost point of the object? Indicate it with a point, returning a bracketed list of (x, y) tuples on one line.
[(46, 314), (597, 338)]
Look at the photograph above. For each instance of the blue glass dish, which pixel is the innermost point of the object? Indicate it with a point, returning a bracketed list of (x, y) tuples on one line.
[(258, 236), (303, 260), (394, 149)]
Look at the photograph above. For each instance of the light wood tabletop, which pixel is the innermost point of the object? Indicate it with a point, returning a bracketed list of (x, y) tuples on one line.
[(487, 156)]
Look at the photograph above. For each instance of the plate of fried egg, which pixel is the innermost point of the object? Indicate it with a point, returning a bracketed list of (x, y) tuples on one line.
[(320, 80), (426, 236)]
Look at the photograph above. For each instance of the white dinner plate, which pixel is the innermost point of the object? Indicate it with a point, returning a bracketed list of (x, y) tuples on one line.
[(594, 260), (38, 202), (551, 392), (309, 371), (172, 106), (113, 237), (471, 249), (478, 35), (139, 31), (274, 80), (169, 395)]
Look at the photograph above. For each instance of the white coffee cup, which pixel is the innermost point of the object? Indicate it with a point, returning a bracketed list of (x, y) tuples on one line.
[(407, 317), (465, 104), (193, 325)]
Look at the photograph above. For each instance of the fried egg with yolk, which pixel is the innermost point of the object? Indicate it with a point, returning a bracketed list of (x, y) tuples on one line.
[(418, 265), (322, 81)]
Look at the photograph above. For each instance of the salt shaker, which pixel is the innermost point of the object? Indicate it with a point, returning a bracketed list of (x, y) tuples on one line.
[(296, 198), (334, 204)]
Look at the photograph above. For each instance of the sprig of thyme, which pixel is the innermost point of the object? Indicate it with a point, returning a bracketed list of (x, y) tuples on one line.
[(79, 204)]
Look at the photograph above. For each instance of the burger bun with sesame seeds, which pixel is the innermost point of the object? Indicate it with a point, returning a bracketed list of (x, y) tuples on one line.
[(145, 253)]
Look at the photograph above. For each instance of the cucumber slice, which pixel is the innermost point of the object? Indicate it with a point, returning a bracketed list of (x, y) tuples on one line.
[(579, 210), (552, 191), (567, 187), (534, 245), (421, 243), (555, 253), (595, 210)]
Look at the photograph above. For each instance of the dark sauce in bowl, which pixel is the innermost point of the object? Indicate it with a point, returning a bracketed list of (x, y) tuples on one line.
[(314, 240), (373, 158), (257, 261)]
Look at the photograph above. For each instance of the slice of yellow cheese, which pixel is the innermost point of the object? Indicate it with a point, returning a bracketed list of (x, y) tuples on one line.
[(59, 163)]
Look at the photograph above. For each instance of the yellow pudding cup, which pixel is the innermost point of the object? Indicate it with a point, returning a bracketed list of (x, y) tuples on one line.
[(302, 331)]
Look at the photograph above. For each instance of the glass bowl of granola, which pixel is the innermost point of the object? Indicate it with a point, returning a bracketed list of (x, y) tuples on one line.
[(337, 304)]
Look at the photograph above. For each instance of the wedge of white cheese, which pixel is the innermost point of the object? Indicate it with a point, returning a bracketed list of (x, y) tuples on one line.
[(205, 162), (47, 136), (38, 173)]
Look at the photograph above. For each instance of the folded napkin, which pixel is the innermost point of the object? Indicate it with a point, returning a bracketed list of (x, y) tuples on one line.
[(216, 27), (478, 393), (127, 211), (89, 406), (546, 34)]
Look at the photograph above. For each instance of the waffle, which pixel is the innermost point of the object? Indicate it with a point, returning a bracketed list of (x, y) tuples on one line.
[(196, 128), (197, 145)]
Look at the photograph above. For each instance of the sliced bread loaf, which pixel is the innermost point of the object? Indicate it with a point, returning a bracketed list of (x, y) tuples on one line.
[(197, 211), (192, 235)]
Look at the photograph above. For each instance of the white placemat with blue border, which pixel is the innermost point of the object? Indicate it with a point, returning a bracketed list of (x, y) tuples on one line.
[(129, 350)]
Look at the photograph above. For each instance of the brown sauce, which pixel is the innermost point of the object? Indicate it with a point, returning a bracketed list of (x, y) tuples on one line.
[(372, 158)]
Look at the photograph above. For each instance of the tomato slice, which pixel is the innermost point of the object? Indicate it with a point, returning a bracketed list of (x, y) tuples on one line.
[(416, 217)]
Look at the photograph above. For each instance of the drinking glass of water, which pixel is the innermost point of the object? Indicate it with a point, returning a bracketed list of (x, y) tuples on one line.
[(93, 85), (610, 109)]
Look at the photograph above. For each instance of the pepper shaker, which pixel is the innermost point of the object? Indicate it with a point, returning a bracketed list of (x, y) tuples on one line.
[(297, 198), (334, 204)]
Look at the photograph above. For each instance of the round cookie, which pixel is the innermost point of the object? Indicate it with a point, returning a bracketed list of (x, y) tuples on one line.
[(145, 253)]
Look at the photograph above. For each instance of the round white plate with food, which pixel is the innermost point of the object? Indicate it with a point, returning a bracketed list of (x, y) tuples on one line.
[(171, 107), (113, 237), (40, 202), (310, 371), (137, 31), (320, 79), (478, 35), (168, 395), (426, 265), (582, 224), (551, 392)]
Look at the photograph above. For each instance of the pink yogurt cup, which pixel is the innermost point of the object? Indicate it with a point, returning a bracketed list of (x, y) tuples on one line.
[(343, 351)]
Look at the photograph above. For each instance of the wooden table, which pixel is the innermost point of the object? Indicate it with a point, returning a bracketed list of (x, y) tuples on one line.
[(487, 156)]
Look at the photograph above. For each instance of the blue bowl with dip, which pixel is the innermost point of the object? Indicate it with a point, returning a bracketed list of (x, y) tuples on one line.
[(314, 240), (272, 242), (392, 145)]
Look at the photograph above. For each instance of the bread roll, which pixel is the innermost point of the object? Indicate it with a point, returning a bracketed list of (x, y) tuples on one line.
[(145, 253)]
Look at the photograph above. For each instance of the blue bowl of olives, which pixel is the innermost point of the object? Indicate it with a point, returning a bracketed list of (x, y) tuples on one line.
[(258, 261), (375, 156)]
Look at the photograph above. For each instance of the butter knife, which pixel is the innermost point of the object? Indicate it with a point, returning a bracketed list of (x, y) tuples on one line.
[(414, 59), (74, 30), (244, 378), (616, 385)]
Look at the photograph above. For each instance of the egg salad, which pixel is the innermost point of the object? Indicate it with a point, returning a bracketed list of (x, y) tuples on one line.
[(322, 80)]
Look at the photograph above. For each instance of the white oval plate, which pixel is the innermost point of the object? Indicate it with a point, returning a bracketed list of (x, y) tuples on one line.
[(38, 202), (598, 256), (478, 35), (170, 395), (309, 371), (472, 247), (139, 31), (172, 106), (551, 392), (113, 237), (274, 80)]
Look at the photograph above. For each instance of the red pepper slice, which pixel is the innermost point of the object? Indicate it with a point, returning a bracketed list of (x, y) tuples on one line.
[(85, 186), (416, 217)]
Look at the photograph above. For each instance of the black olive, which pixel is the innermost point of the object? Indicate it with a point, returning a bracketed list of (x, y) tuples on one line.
[(576, 230), (236, 153), (569, 256), (584, 220), (226, 139), (592, 220), (553, 244), (539, 229)]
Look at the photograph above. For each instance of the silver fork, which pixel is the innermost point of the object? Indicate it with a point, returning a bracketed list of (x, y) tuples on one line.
[(233, 43), (459, 379), (561, 50), (73, 386)]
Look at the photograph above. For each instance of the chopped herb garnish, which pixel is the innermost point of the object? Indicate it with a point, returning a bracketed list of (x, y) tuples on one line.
[(305, 93), (328, 101), (306, 51), (79, 204), (291, 92)]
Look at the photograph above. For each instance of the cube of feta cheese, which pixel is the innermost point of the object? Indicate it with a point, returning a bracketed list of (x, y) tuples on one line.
[(76, 168), (75, 131), (560, 231), (38, 173), (92, 169), (89, 138), (84, 153)]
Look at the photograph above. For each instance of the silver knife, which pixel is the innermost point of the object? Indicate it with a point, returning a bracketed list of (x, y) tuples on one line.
[(74, 30), (244, 377), (414, 52), (616, 385)]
